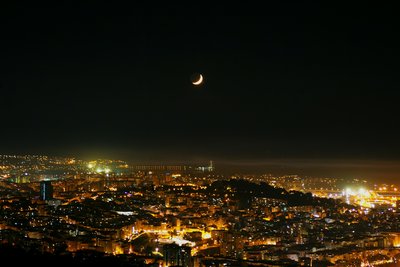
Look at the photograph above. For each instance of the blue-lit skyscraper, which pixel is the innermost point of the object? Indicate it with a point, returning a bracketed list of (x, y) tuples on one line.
[(46, 190)]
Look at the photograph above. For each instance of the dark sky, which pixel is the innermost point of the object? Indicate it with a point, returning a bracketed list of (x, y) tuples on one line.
[(285, 80)]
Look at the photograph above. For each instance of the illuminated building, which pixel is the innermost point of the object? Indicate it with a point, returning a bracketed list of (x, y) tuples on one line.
[(175, 255), (46, 190)]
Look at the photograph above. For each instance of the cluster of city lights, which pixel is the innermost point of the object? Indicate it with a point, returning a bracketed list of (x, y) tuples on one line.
[(367, 198), (99, 169)]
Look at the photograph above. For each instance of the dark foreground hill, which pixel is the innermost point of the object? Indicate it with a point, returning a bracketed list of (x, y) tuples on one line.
[(20, 257)]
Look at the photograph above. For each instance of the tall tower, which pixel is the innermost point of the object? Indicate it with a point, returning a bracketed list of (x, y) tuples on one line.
[(46, 190), (211, 166), (175, 255)]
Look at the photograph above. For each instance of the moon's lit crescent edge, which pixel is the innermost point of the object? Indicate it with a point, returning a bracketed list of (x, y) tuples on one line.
[(199, 81)]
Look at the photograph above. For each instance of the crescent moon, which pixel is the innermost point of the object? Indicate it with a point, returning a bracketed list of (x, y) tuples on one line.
[(199, 81)]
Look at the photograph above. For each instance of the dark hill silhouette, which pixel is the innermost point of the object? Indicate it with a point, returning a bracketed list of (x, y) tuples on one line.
[(245, 190), (20, 257)]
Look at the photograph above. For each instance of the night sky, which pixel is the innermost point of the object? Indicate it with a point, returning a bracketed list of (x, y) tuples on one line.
[(282, 81)]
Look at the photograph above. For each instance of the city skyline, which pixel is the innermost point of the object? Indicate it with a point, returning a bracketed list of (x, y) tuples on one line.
[(372, 171), (106, 212)]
